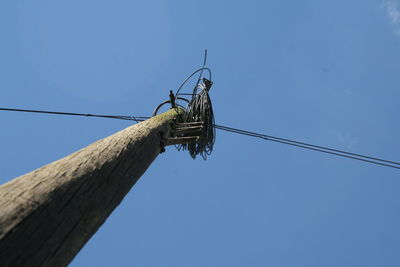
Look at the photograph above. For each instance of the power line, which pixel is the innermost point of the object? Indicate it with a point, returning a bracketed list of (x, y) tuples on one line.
[(322, 149), (264, 136), (129, 118), (336, 152)]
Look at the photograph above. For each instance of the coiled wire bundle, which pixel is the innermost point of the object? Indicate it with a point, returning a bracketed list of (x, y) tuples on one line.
[(199, 109)]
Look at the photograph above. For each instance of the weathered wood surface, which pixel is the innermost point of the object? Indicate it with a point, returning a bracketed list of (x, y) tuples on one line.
[(46, 216)]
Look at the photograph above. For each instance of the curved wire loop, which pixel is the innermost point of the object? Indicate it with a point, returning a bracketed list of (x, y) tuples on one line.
[(168, 101)]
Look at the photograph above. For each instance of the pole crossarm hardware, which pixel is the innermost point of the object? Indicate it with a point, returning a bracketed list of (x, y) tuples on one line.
[(47, 215), (184, 133)]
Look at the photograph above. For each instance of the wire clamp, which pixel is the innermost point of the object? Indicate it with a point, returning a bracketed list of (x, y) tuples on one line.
[(207, 84), (172, 99), (184, 133)]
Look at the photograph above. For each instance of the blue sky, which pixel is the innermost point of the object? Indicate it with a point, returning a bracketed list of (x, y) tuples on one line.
[(323, 72)]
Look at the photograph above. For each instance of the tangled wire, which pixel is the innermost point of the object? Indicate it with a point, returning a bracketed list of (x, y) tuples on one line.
[(199, 109)]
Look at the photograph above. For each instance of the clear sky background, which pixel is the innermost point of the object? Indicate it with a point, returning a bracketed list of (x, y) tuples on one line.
[(323, 72)]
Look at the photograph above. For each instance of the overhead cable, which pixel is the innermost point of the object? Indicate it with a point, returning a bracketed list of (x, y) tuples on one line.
[(336, 152), (341, 153), (129, 118)]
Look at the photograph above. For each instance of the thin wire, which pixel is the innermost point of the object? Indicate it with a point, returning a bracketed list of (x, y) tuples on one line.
[(190, 76), (311, 147), (207, 151), (198, 79), (201, 74), (129, 118)]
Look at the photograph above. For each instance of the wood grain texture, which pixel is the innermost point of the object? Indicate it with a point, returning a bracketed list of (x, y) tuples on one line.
[(46, 216)]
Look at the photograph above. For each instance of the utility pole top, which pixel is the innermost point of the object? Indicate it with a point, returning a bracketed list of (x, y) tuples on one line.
[(48, 214)]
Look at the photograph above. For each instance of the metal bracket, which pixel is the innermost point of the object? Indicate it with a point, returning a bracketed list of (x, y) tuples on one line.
[(188, 128), (184, 133), (172, 99)]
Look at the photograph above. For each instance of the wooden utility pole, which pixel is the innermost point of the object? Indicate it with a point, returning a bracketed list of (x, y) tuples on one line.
[(46, 216)]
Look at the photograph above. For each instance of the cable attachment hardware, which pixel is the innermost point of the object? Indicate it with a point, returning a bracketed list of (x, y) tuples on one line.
[(172, 99), (184, 134), (207, 84)]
